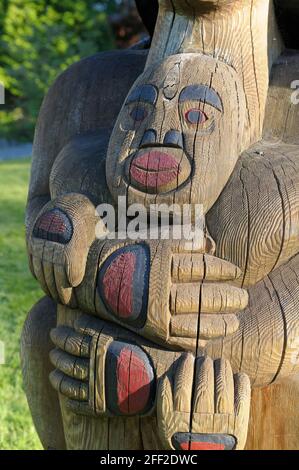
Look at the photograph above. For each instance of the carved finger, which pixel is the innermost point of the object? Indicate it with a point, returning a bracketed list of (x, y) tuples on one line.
[(187, 267), (242, 407), (69, 387), (64, 293), (52, 252), (87, 325), (193, 267), (70, 341), (188, 246), (62, 284), (75, 367), (209, 326), (204, 244), (216, 326), (183, 382), (50, 280), (185, 326), (30, 263), (85, 292), (81, 213), (165, 412), (223, 298), (204, 386), (185, 298), (39, 274), (207, 298), (224, 387), (242, 393)]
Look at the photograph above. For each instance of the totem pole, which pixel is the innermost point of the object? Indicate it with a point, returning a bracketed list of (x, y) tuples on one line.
[(155, 344)]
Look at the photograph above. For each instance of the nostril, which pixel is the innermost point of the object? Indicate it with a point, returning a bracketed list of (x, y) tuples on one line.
[(149, 137), (174, 138)]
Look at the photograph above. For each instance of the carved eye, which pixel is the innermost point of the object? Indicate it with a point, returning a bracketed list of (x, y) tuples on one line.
[(138, 113), (195, 116)]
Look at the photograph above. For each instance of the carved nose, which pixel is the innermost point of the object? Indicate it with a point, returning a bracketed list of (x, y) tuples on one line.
[(149, 138), (174, 138)]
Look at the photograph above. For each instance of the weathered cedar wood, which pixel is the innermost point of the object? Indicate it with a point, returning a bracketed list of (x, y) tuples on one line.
[(206, 116)]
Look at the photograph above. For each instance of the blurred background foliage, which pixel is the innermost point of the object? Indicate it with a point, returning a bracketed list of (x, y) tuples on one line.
[(41, 38)]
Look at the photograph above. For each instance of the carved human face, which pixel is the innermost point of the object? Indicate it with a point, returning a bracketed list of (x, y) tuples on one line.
[(179, 133)]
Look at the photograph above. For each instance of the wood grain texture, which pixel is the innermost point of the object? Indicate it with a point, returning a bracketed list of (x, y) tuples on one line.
[(282, 103), (61, 118), (199, 125), (274, 417), (265, 230), (174, 406), (200, 79), (104, 432), (229, 402), (266, 344), (137, 299), (59, 264), (42, 399), (231, 32)]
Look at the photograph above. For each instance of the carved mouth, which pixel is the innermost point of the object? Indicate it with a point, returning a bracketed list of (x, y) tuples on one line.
[(157, 171)]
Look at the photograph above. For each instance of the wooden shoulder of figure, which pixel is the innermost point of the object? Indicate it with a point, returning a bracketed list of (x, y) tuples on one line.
[(264, 189), (75, 104), (80, 168), (86, 97)]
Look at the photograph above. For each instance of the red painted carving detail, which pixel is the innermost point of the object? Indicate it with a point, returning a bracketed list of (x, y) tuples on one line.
[(201, 446), (153, 180), (155, 161), (133, 383), (154, 169), (118, 284), (51, 222)]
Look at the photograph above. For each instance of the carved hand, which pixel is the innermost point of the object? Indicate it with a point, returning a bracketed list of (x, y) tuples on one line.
[(203, 406), (59, 242), (162, 291), (105, 371)]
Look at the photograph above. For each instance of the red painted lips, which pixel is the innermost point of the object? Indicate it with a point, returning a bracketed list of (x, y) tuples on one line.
[(156, 171)]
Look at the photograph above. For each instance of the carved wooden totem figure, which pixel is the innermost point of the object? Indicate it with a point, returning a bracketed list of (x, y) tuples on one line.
[(153, 344)]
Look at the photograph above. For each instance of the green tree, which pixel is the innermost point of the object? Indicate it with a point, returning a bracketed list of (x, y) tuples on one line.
[(40, 39), (3, 8)]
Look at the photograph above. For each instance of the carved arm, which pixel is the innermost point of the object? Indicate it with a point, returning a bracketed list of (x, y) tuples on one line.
[(266, 346), (162, 291)]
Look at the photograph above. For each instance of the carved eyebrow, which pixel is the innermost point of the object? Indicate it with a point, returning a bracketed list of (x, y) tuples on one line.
[(201, 93), (147, 93)]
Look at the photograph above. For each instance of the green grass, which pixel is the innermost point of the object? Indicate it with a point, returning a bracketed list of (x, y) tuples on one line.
[(18, 293)]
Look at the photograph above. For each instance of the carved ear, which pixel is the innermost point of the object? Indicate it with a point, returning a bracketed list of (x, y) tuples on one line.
[(148, 10)]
